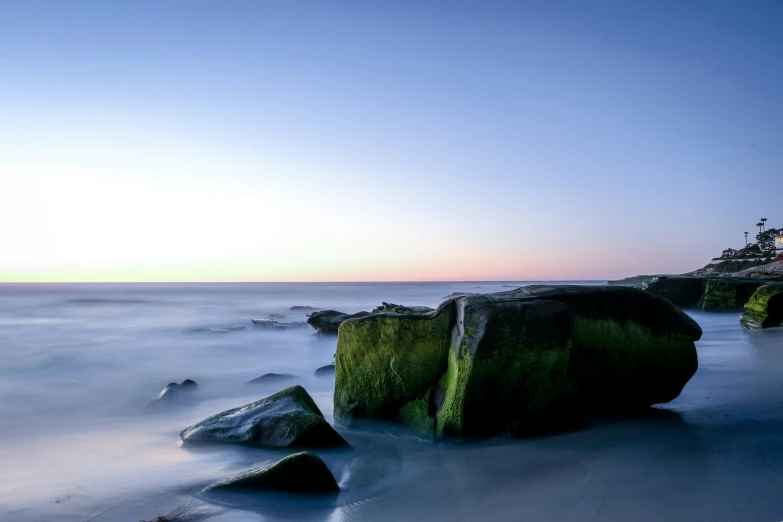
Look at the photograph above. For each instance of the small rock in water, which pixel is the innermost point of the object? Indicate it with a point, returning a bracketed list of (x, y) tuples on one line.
[(287, 418), (276, 316), (301, 472), (273, 378), (325, 371), (303, 309), (174, 393)]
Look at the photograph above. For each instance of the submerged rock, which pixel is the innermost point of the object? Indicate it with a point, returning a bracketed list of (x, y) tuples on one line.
[(683, 291), (287, 418), (727, 295), (325, 371), (174, 393), (273, 378), (274, 324), (301, 472), (514, 362), (216, 329), (765, 307)]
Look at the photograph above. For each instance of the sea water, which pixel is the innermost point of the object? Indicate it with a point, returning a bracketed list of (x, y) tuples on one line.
[(79, 364)]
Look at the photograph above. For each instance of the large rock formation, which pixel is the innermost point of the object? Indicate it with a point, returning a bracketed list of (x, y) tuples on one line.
[(514, 362), (727, 295), (301, 472), (683, 291), (765, 308), (287, 418)]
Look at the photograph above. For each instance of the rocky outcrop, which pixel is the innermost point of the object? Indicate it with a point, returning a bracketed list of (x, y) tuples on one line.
[(514, 362), (683, 291), (301, 472), (727, 295), (772, 270), (287, 418), (765, 307)]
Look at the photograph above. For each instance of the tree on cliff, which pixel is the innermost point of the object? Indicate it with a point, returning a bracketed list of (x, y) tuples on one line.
[(766, 239)]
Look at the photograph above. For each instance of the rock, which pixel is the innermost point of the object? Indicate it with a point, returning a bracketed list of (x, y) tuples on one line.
[(509, 373), (386, 365), (301, 472), (683, 291), (173, 394), (273, 378), (328, 321), (325, 371), (303, 309), (630, 349), (765, 307), (514, 362), (399, 309), (772, 270), (276, 316), (727, 295), (287, 418)]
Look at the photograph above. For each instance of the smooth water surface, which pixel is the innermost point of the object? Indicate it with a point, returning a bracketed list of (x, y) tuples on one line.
[(80, 363)]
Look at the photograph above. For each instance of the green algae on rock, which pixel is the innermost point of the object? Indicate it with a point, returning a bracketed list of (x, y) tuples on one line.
[(683, 291), (301, 472), (287, 418), (765, 307), (727, 294), (386, 360)]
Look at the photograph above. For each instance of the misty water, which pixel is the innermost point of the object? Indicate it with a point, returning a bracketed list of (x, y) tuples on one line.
[(80, 363)]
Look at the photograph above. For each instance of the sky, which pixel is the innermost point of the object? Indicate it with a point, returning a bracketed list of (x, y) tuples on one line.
[(384, 141)]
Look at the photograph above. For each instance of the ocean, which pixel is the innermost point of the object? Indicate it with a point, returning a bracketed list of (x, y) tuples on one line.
[(79, 364)]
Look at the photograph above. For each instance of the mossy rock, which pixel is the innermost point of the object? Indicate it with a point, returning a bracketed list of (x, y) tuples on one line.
[(630, 348), (514, 362), (287, 418), (765, 307), (508, 369), (727, 295), (301, 472), (683, 291), (384, 361)]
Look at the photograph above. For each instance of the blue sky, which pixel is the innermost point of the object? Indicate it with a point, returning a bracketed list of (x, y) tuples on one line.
[(371, 140)]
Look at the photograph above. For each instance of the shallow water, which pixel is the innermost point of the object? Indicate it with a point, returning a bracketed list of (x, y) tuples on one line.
[(79, 364)]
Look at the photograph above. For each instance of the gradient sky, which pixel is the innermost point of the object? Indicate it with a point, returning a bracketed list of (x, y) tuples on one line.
[(400, 140)]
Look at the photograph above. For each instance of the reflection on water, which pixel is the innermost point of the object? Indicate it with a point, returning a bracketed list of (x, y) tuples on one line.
[(79, 363)]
